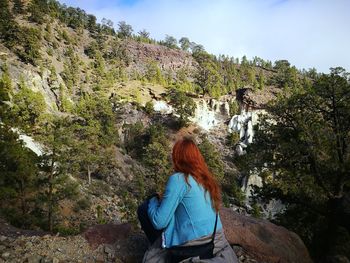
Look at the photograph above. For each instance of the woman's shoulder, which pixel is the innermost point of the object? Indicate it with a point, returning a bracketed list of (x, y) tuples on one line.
[(177, 177), (181, 178)]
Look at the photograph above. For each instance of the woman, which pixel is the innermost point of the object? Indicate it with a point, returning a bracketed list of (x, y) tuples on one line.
[(186, 214)]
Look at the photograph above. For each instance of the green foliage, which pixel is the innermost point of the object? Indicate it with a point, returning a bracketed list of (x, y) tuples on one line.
[(170, 42), (184, 106), (237, 193), (234, 108), (149, 107), (212, 158), (144, 36), (18, 7), (55, 165), (232, 138), (185, 43), (133, 141), (261, 80), (66, 231), (286, 76), (128, 205), (153, 74), (38, 10), (28, 108), (208, 77), (305, 148), (30, 41), (156, 155), (94, 135), (5, 85), (18, 178), (82, 204), (124, 30), (100, 218), (71, 68), (256, 210), (9, 28)]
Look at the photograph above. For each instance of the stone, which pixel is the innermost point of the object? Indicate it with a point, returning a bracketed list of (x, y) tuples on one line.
[(106, 234), (3, 238), (100, 258), (5, 255), (109, 250), (34, 259), (262, 240), (2, 248)]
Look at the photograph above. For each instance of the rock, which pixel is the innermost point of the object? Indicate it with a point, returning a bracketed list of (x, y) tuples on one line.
[(262, 240), (3, 238), (55, 260), (5, 255), (109, 249), (2, 248), (106, 234), (100, 258), (337, 259)]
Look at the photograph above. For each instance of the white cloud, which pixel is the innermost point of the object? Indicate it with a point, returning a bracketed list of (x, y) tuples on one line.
[(309, 33)]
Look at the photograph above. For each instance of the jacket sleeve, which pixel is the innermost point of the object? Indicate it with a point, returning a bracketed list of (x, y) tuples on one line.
[(161, 212)]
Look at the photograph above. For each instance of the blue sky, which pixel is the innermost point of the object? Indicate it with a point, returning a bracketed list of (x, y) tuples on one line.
[(308, 33)]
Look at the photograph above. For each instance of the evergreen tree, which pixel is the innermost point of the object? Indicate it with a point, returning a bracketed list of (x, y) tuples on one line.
[(124, 30), (156, 155), (212, 158), (303, 154), (28, 108), (5, 85), (55, 164), (18, 7), (38, 10), (95, 135), (18, 178), (184, 106), (170, 41), (9, 29), (185, 43)]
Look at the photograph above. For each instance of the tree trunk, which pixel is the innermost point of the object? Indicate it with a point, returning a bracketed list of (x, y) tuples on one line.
[(50, 197), (333, 224), (89, 174)]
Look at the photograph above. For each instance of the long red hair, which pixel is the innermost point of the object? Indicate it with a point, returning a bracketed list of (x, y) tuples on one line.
[(188, 159)]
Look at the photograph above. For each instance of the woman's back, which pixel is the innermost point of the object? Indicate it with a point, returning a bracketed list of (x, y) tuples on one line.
[(185, 211)]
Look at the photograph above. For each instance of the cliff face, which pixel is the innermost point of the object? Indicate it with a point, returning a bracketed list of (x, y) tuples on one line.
[(169, 60)]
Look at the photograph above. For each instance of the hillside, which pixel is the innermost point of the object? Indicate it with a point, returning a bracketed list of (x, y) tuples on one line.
[(88, 116)]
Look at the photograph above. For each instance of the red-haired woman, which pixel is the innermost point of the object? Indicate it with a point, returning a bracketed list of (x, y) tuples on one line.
[(184, 223)]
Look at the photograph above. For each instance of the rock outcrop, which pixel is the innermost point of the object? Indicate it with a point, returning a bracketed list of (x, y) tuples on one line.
[(256, 99), (262, 240), (168, 59), (254, 240)]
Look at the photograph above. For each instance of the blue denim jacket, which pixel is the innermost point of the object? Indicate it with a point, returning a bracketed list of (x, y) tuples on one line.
[(185, 212)]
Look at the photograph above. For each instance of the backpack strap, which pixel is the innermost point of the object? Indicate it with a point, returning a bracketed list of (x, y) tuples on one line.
[(214, 232)]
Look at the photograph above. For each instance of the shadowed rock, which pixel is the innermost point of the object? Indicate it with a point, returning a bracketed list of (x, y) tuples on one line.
[(262, 240), (106, 234)]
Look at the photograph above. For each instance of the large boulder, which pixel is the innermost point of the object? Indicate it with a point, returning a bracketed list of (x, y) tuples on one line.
[(106, 234), (262, 240)]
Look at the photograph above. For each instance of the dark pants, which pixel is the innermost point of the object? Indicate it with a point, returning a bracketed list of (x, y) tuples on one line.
[(146, 224)]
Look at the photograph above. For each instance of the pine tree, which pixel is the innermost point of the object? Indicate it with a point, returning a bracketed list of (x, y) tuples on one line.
[(302, 151), (18, 177), (18, 7)]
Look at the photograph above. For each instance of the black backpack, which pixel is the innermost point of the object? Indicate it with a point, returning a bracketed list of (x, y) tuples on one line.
[(204, 251)]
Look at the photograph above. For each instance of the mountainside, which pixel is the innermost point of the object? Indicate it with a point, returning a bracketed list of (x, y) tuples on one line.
[(88, 116)]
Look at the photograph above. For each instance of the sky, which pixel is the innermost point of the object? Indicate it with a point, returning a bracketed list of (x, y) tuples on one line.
[(308, 33)]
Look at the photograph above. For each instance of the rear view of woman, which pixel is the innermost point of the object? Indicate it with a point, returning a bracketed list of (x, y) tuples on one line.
[(183, 225)]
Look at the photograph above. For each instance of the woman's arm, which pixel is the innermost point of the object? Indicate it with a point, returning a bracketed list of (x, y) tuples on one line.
[(160, 212)]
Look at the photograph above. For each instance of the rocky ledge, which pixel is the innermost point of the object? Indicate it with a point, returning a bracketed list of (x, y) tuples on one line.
[(254, 240)]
